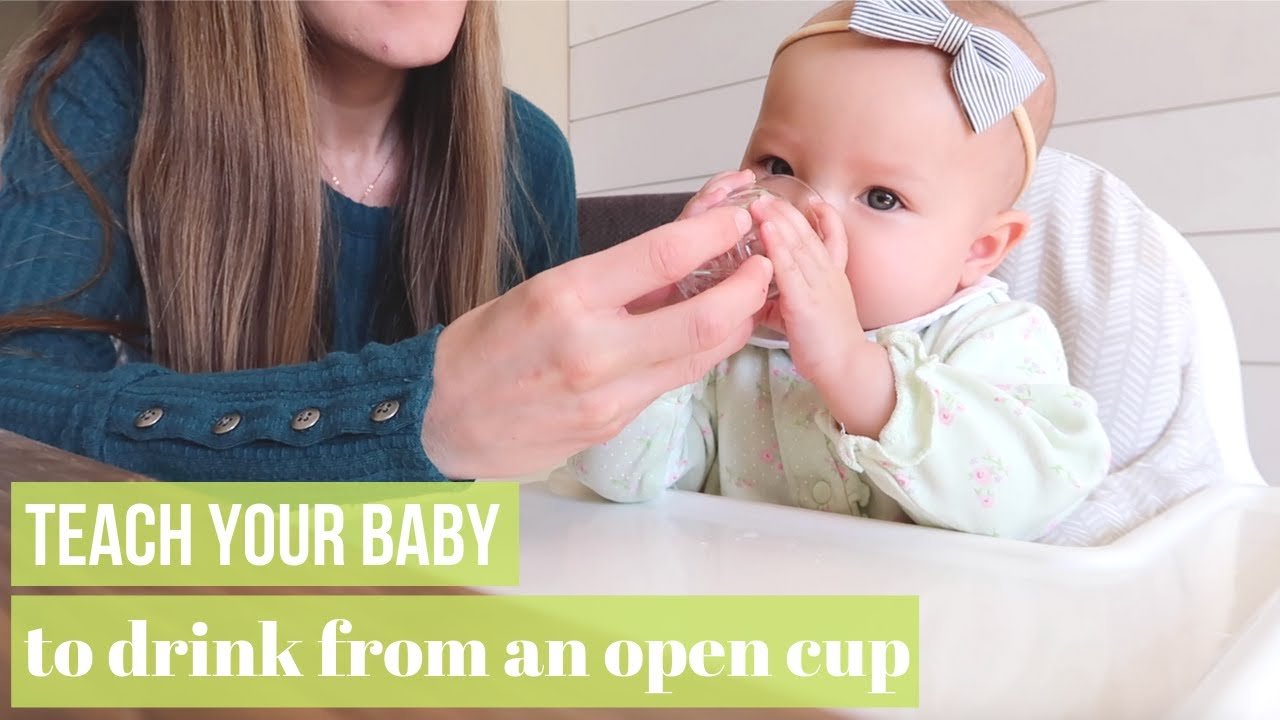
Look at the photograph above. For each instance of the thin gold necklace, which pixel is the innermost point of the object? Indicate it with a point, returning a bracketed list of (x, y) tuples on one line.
[(337, 184)]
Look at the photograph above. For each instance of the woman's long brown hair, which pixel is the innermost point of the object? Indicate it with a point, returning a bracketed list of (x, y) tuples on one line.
[(225, 208)]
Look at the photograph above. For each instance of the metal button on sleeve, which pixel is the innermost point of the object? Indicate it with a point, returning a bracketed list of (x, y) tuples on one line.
[(384, 411), (226, 423), (148, 417), (305, 419)]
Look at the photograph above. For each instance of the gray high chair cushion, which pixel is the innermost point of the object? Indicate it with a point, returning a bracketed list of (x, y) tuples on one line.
[(1099, 262)]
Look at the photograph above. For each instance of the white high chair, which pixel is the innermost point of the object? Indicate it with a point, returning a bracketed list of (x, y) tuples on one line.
[(1224, 393)]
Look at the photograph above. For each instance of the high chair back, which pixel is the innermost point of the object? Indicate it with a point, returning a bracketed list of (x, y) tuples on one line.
[(1141, 317)]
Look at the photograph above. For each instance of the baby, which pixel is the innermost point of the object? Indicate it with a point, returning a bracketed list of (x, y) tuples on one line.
[(909, 387)]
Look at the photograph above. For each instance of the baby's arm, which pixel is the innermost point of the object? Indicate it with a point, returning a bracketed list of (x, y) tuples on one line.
[(671, 442), (988, 436)]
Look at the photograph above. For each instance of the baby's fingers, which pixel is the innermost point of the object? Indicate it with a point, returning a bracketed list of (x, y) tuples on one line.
[(794, 231), (779, 245), (831, 230)]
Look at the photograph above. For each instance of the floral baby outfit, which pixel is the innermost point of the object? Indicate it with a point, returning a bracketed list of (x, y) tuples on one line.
[(988, 435)]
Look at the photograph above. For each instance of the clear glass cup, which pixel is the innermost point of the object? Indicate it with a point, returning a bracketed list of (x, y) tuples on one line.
[(783, 187)]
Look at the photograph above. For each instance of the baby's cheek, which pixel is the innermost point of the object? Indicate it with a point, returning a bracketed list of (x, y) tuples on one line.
[(871, 291), (889, 290)]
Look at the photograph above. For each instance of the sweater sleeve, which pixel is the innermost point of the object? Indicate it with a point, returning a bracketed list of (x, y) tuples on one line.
[(68, 389)]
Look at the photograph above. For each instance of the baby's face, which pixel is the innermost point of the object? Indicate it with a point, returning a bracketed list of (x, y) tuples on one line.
[(876, 130)]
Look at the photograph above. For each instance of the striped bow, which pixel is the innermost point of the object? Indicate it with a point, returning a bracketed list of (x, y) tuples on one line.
[(991, 75)]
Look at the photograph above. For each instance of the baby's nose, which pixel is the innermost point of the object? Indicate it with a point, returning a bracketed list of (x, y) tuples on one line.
[(829, 195)]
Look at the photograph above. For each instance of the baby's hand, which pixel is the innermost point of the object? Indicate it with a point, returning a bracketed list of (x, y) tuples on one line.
[(715, 190), (815, 306)]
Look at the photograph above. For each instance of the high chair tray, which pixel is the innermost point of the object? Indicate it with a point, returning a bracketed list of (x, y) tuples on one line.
[(1182, 613)]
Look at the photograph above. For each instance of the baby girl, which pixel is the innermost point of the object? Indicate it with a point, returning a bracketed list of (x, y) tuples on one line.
[(909, 386)]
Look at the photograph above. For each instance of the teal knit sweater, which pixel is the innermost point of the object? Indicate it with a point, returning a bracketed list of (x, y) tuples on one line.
[(68, 389)]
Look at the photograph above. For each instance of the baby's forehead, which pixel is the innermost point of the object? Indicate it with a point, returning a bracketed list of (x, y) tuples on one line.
[(877, 108), (866, 80)]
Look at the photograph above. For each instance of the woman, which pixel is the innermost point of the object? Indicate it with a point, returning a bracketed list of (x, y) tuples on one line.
[(298, 219)]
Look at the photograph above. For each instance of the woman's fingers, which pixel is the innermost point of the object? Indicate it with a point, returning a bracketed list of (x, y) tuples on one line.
[(715, 190), (618, 276), (726, 182), (652, 301), (644, 385), (622, 367), (598, 347), (601, 413), (699, 324)]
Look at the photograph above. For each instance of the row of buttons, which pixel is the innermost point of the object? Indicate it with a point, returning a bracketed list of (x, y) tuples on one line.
[(303, 420)]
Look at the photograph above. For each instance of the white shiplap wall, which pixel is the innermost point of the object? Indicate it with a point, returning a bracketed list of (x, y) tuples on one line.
[(1180, 99)]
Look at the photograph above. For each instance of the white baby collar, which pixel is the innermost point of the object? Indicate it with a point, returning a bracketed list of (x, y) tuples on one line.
[(770, 340)]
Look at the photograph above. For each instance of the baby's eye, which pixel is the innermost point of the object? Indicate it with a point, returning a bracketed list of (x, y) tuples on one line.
[(777, 166), (881, 199)]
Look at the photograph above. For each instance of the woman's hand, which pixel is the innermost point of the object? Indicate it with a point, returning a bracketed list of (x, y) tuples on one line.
[(558, 363), (715, 190)]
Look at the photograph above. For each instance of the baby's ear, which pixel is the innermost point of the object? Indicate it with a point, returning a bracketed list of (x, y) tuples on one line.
[(987, 252)]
